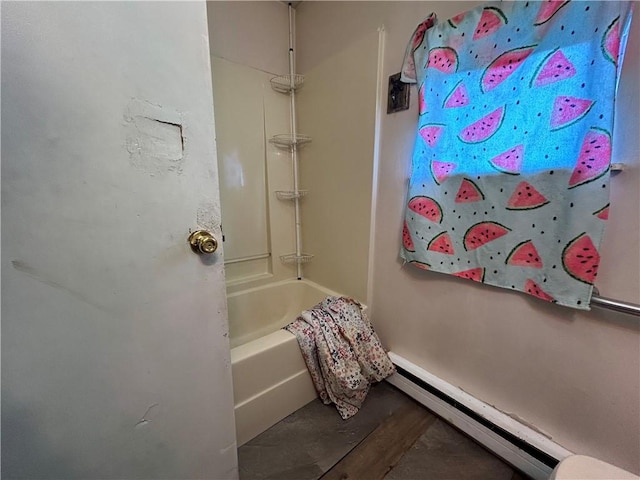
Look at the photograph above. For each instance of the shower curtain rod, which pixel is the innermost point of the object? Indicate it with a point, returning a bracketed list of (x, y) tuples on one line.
[(616, 305)]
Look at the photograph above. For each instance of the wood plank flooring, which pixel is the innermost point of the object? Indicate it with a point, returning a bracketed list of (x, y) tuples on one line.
[(381, 450), (391, 438)]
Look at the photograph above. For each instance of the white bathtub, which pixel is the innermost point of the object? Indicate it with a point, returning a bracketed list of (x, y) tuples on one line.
[(270, 378)]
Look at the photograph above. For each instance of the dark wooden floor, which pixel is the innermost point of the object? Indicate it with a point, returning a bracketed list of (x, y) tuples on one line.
[(392, 438), (383, 448)]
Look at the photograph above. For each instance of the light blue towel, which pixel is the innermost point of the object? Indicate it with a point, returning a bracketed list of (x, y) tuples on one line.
[(510, 180)]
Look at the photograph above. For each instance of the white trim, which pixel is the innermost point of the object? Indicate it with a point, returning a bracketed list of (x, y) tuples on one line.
[(380, 95), (492, 441)]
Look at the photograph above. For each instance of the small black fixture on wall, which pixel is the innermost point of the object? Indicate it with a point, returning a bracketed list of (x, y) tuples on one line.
[(398, 96)]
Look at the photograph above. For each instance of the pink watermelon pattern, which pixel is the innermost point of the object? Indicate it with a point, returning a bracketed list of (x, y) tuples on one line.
[(568, 110), (580, 259), (444, 59), (611, 42), (468, 192), (504, 66), (603, 213), (510, 161), (422, 104), (426, 207), (457, 20), (418, 36), (458, 97), (490, 22), (484, 128), (554, 68), (441, 243), (407, 241), (526, 197), (409, 68), (482, 233), (594, 158), (440, 171), (510, 171), (524, 254), (475, 274), (548, 8), (420, 265), (431, 134), (532, 288)]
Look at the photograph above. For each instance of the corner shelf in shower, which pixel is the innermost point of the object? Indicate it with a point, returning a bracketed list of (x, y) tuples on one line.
[(293, 258), (287, 83), (288, 140), (289, 194)]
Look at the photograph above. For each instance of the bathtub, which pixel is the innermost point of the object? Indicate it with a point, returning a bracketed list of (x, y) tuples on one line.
[(270, 378)]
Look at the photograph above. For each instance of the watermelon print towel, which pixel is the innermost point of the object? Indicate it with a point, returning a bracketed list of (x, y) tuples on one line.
[(342, 352), (510, 178)]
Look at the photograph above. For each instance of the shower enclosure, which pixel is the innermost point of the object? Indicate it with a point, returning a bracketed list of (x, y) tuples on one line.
[(266, 214)]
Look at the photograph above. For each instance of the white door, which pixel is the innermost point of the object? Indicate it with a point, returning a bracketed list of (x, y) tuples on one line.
[(115, 356)]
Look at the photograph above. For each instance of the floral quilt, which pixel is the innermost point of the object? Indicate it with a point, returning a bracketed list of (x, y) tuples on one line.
[(342, 352)]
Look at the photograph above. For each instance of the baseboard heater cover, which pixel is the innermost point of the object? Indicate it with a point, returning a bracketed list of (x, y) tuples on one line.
[(518, 444)]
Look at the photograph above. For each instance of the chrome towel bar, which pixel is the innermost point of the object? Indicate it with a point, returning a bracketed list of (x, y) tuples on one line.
[(616, 305)]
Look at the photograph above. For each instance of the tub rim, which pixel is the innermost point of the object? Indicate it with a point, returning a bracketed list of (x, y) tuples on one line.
[(305, 281)]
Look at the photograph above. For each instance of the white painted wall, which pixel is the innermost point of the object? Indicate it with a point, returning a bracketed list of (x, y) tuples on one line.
[(115, 357), (572, 375)]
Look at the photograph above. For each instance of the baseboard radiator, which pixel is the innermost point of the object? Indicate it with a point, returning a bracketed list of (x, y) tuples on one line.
[(519, 445)]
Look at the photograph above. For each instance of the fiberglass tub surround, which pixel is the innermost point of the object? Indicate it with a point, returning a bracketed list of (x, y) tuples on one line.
[(262, 201)]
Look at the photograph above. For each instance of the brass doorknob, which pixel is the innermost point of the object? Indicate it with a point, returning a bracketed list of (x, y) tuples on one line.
[(202, 242)]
